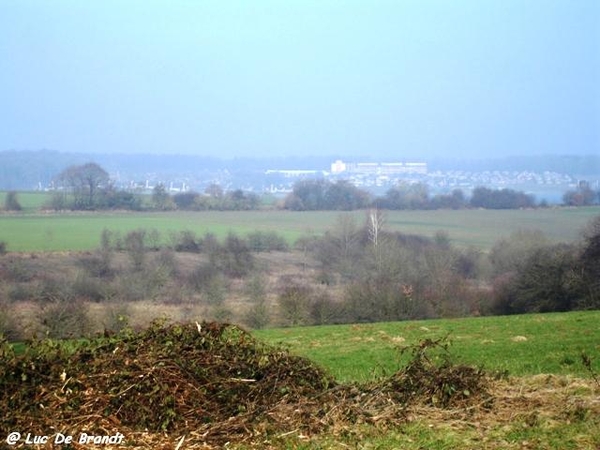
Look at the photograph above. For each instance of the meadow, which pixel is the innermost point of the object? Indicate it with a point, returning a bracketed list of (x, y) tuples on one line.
[(520, 345), (32, 230), (544, 395)]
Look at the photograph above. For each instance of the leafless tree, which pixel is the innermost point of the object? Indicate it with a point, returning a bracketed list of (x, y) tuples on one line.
[(85, 182)]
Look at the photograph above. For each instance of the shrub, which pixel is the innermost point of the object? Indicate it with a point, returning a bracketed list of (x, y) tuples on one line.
[(65, 318), (16, 269), (233, 258), (58, 201), (185, 200), (154, 239), (88, 288), (17, 292), (8, 325), (11, 202), (511, 254), (267, 241), (185, 241), (97, 265), (258, 315), (136, 248), (116, 318), (165, 262), (324, 310), (135, 286), (214, 291), (201, 276), (50, 289), (542, 284), (294, 302)]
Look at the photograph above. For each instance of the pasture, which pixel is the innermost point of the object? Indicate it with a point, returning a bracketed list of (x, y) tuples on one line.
[(520, 345), (32, 231)]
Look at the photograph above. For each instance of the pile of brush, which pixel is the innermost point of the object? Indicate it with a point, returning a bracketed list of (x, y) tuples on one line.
[(211, 381)]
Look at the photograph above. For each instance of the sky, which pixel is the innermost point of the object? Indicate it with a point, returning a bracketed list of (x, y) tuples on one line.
[(389, 79)]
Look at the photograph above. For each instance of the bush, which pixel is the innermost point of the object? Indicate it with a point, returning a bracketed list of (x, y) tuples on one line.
[(267, 241), (202, 276), (58, 201), (16, 270), (50, 289), (511, 254), (136, 286), (294, 301), (233, 258), (11, 202), (116, 318), (324, 310), (136, 247), (87, 288), (165, 262), (8, 325), (185, 241), (214, 292), (257, 316), (65, 318), (542, 283), (17, 292), (97, 265), (185, 200)]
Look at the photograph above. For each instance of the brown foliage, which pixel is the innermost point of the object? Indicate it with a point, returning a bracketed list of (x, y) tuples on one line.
[(212, 382)]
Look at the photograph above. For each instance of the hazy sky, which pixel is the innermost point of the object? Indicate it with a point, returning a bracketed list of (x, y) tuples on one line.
[(391, 79)]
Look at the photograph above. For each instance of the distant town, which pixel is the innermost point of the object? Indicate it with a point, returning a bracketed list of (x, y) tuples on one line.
[(377, 177), (547, 178)]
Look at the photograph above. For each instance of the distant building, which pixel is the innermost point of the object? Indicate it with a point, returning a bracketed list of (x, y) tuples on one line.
[(294, 173), (379, 168), (338, 166)]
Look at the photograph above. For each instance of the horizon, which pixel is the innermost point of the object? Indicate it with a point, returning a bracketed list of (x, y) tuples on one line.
[(385, 80)]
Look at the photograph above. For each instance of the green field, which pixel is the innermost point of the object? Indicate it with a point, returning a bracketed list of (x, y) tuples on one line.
[(521, 410), (530, 410), (518, 345), (34, 231)]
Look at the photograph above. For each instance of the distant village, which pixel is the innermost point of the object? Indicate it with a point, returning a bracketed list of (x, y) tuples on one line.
[(546, 178), (375, 177)]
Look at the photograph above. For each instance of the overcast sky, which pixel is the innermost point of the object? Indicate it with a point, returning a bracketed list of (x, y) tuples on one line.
[(390, 79)]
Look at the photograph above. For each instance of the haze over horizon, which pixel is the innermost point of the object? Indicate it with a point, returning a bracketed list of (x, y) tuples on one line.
[(389, 79)]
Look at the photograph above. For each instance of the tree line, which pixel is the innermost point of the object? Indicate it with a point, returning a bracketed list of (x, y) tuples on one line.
[(88, 187), (310, 195)]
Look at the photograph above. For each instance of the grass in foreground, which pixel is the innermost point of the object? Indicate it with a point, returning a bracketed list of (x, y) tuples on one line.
[(518, 345), (530, 411)]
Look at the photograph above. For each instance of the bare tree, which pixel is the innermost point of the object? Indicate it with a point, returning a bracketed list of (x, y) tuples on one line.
[(85, 182), (375, 223), (161, 198)]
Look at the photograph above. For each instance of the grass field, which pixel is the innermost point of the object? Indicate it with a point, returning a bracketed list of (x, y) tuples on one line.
[(34, 231), (518, 345), (548, 401), (545, 403)]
